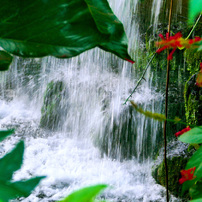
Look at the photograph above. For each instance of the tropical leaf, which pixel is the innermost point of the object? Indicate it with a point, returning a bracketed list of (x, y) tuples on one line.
[(61, 28), (195, 7), (5, 60), (194, 136), (17, 189), (11, 162), (196, 191), (194, 161), (86, 194), (5, 133)]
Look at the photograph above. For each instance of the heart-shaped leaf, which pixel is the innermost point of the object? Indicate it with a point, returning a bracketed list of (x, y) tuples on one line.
[(194, 136), (61, 28)]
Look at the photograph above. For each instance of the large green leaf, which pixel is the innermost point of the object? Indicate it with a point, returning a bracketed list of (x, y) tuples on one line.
[(11, 162), (194, 161), (86, 194), (194, 136), (195, 7), (5, 133), (61, 28), (5, 60), (17, 189), (197, 200), (196, 191)]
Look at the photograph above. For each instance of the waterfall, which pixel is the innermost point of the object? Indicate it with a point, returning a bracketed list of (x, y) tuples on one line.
[(88, 145)]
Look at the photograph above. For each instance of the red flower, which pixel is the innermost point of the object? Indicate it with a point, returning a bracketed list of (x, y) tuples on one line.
[(175, 42), (182, 131), (131, 61), (187, 175), (199, 77)]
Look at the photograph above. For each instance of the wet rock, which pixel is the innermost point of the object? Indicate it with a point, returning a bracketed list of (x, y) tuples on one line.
[(54, 107), (122, 137), (193, 102), (178, 156)]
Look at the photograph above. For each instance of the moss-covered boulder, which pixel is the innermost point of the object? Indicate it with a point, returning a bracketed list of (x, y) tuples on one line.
[(175, 165), (193, 102), (178, 154), (123, 137), (119, 136), (193, 59), (54, 107)]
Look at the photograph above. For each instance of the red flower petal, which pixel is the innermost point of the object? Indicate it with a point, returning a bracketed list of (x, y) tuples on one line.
[(170, 57), (131, 61)]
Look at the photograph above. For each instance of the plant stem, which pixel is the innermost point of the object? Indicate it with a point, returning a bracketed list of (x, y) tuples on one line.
[(194, 26), (142, 77), (166, 106)]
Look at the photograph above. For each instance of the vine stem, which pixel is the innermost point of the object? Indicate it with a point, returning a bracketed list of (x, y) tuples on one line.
[(194, 26), (142, 77), (166, 105)]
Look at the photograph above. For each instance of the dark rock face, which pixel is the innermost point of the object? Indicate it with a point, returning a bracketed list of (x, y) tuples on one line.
[(54, 107), (119, 137), (175, 165), (193, 102), (178, 154), (123, 138)]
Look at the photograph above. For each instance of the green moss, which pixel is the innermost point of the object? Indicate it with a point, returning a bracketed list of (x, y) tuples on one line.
[(175, 165), (52, 110), (193, 104), (193, 59)]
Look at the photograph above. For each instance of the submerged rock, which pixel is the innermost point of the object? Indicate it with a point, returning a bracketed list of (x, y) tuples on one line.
[(54, 108)]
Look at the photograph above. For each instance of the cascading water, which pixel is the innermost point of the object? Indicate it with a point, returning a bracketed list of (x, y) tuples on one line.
[(95, 132)]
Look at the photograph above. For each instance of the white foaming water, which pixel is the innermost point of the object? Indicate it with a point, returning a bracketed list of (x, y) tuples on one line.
[(156, 8), (97, 84)]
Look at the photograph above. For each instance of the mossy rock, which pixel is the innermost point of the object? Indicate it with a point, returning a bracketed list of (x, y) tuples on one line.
[(193, 102), (118, 136), (193, 59), (175, 165), (54, 109), (122, 137)]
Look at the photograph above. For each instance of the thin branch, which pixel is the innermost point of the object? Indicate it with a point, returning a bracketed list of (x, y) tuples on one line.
[(194, 26), (166, 105), (141, 78)]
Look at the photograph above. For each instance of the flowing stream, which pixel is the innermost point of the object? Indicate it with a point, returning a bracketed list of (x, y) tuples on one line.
[(82, 150)]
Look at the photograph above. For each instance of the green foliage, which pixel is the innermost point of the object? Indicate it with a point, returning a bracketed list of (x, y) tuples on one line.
[(14, 190), (195, 7), (62, 28), (156, 116), (5, 133), (10, 163), (194, 136), (196, 190), (5, 60), (195, 161), (197, 200), (193, 58), (86, 194)]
